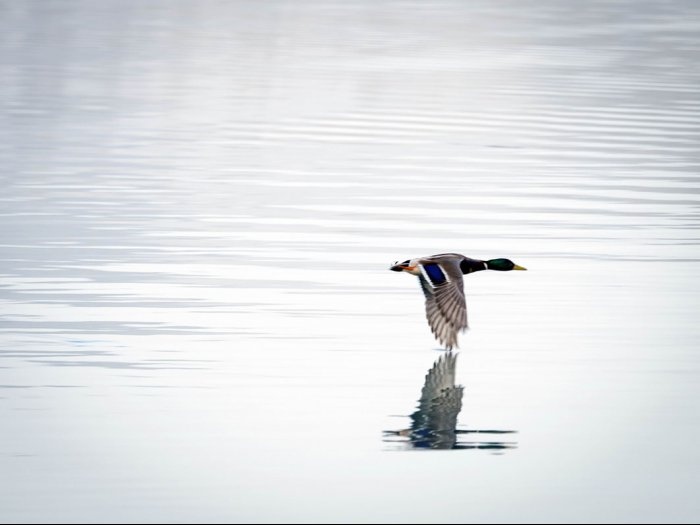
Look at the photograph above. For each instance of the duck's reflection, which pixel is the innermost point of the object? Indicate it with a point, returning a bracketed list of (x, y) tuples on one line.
[(434, 423)]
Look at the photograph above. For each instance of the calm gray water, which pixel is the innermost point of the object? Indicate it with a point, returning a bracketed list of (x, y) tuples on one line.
[(200, 202)]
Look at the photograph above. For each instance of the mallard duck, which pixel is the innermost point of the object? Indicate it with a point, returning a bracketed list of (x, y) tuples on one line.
[(441, 280)]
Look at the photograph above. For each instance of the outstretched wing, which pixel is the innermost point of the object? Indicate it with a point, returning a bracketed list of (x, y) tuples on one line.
[(445, 306)]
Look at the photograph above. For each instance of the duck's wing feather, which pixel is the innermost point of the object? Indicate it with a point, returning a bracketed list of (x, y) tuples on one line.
[(445, 306)]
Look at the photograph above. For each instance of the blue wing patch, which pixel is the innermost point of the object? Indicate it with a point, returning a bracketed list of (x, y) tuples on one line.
[(435, 273)]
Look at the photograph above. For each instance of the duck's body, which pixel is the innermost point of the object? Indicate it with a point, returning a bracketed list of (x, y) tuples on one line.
[(441, 280)]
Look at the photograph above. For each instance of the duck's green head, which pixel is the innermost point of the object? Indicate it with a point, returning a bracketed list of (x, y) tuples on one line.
[(503, 265)]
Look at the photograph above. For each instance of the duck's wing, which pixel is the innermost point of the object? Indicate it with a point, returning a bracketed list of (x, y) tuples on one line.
[(445, 306)]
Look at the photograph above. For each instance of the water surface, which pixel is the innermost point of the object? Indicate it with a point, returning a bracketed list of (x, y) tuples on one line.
[(200, 204)]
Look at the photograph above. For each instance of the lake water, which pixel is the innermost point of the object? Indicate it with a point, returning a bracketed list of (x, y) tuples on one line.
[(200, 203)]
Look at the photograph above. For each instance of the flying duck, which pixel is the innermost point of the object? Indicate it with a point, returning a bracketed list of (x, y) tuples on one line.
[(441, 280)]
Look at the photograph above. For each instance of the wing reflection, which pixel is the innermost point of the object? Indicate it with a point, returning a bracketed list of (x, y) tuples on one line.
[(434, 423)]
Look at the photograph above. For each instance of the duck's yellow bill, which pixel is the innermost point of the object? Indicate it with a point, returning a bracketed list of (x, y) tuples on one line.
[(518, 267)]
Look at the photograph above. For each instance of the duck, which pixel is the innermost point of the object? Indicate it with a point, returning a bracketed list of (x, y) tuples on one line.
[(441, 280)]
